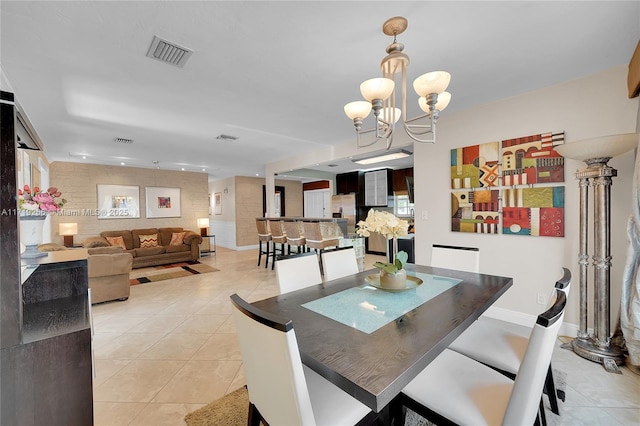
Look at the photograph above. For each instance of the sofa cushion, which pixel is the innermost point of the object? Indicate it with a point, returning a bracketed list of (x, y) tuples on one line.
[(177, 239), (95, 242), (148, 241), (46, 247), (166, 234), (116, 242), (105, 250), (125, 234), (140, 252), (135, 234), (177, 249)]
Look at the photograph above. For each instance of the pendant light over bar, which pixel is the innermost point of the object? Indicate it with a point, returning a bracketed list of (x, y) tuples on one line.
[(380, 95)]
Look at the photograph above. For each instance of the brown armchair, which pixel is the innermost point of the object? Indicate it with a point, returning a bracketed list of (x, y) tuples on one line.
[(109, 269)]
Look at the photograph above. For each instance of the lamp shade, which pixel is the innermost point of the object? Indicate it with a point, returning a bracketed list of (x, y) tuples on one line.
[(203, 222), (431, 82), (65, 229), (377, 88), (357, 109), (390, 115), (443, 101), (603, 146)]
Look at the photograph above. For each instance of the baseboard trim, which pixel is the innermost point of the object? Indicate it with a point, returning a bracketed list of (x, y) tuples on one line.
[(527, 320)]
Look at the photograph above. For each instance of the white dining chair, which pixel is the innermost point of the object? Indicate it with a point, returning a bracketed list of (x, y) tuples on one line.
[(456, 388), (281, 390), (339, 263), (297, 271), (493, 343), (455, 257)]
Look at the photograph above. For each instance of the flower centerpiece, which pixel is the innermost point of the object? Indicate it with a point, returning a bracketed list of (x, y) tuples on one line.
[(34, 205), (34, 202), (392, 274)]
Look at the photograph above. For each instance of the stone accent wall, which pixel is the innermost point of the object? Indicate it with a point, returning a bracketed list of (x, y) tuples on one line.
[(78, 184), (249, 205)]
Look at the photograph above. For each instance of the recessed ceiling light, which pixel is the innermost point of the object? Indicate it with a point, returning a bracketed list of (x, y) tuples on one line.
[(257, 174), (84, 157), (204, 170), (182, 169), (122, 163)]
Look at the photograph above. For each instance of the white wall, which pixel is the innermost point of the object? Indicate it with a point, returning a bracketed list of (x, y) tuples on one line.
[(589, 107), (223, 225)]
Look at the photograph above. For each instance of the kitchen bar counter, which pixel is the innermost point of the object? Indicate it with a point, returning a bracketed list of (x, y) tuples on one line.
[(342, 222)]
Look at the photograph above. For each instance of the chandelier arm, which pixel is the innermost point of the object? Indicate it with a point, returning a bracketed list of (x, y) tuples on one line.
[(414, 135), (411, 120), (387, 136)]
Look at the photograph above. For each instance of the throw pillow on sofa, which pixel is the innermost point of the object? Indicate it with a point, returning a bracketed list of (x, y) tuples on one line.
[(92, 242), (117, 241), (148, 241), (177, 238)]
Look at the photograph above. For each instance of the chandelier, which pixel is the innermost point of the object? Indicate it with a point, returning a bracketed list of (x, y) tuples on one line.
[(380, 95)]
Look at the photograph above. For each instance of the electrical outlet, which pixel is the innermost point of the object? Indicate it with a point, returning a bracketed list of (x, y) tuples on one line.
[(425, 215), (542, 299)]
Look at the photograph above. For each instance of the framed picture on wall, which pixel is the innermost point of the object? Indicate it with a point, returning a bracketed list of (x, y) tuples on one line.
[(217, 203), (118, 202), (163, 202)]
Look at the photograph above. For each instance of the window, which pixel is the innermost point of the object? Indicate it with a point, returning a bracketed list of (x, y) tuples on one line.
[(403, 208)]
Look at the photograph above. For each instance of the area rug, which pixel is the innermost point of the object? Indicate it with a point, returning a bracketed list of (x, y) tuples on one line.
[(233, 410), (167, 272), (230, 410)]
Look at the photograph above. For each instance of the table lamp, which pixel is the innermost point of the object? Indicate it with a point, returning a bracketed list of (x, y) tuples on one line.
[(203, 224), (68, 230)]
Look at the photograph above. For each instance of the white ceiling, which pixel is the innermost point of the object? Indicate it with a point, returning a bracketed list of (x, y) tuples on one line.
[(274, 74)]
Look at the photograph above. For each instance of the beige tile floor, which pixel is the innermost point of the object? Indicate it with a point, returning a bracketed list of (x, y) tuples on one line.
[(171, 349)]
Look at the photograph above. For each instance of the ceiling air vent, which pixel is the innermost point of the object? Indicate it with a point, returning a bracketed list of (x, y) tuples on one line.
[(332, 165), (166, 51), (123, 140), (226, 137)]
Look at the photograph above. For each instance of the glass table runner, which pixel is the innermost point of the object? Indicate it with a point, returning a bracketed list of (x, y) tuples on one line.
[(367, 308)]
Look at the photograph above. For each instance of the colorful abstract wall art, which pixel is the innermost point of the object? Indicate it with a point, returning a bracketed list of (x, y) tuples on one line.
[(530, 160), (475, 211), (533, 211), (475, 166)]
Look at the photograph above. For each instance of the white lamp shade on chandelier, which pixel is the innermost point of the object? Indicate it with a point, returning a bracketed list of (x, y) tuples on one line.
[(380, 95), (377, 88), (431, 82)]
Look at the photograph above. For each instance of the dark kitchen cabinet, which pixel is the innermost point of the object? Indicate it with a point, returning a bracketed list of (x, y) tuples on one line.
[(399, 179)]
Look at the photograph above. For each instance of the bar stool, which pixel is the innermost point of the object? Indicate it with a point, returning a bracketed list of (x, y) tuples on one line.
[(295, 235), (277, 237), (264, 235), (318, 240)]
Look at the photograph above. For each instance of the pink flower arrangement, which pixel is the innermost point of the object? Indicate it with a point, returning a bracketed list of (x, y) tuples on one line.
[(34, 200)]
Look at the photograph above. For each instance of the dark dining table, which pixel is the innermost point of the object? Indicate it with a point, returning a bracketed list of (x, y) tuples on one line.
[(372, 342)]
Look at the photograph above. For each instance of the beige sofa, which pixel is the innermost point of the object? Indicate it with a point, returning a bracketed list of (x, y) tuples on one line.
[(160, 254), (109, 269)]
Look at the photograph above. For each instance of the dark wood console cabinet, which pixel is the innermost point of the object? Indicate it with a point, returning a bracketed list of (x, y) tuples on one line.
[(45, 347)]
